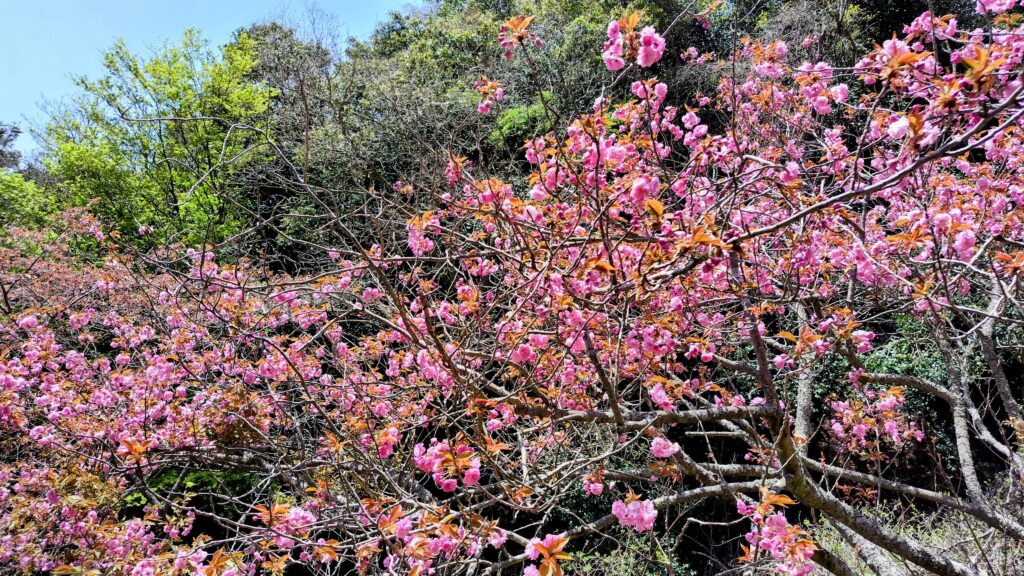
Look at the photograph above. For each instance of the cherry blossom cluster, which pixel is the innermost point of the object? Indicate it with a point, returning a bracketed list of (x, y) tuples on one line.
[(550, 552), (514, 33), (636, 513), (625, 42), (773, 536), (490, 92), (447, 465), (873, 418)]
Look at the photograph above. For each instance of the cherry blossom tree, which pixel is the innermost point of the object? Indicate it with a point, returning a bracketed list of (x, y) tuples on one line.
[(645, 321)]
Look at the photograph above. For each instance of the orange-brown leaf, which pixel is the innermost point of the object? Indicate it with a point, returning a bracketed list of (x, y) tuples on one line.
[(654, 207)]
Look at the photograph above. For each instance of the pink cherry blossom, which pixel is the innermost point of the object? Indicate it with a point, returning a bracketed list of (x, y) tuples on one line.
[(638, 514), (652, 47), (662, 448)]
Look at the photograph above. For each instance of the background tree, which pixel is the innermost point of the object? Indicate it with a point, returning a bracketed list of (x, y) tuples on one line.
[(157, 141), (9, 157)]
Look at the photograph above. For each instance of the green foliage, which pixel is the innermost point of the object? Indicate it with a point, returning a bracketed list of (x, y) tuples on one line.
[(232, 483), (441, 45), (910, 353), (156, 141), (517, 124), (635, 555), (940, 529), (133, 500), (22, 202)]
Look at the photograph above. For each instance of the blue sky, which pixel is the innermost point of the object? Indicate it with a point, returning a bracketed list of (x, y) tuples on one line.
[(43, 43)]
